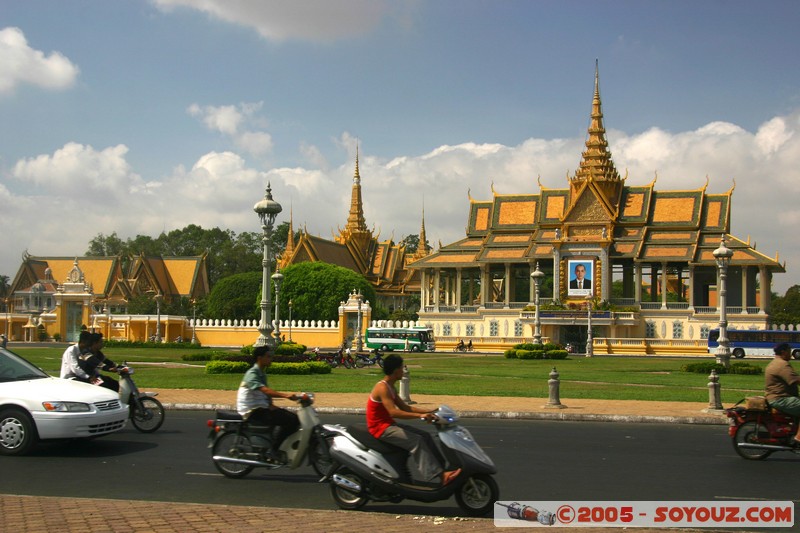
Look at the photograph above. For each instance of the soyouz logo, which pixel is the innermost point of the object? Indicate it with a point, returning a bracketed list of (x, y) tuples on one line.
[(644, 514)]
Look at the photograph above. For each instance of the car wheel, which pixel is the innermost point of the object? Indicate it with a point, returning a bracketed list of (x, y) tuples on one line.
[(384, 348), (17, 432), (738, 353)]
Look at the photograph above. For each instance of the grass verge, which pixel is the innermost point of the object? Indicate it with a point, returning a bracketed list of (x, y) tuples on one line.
[(602, 378)]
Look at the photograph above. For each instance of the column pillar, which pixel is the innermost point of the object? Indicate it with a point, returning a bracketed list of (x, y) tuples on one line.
[(458, 289), (507, 286)]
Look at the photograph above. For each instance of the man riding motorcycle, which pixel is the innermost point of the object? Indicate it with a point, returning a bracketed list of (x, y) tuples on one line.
[(781, 383), (254, 400)]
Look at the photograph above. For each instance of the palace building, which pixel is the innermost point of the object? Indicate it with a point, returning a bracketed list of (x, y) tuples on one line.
[(356, 247), (56, 297), (645, 255)]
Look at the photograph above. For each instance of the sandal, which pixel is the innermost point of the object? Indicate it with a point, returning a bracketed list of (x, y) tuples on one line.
[(448, 477)]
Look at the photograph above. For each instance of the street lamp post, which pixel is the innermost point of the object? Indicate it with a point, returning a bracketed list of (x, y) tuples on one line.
[(267, 210), (589, 341), (359, 343), (290, 321), (537, 276), (194, 322), (277, 280), (723, 256), (158, 316)]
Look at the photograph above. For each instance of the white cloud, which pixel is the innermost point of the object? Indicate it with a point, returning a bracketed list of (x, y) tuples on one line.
[(310, 20), (21, 64), (79, 170), (220, 188), (229, 120)]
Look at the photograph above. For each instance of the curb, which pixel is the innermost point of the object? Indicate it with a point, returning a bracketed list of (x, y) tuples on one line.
[(513, 415)]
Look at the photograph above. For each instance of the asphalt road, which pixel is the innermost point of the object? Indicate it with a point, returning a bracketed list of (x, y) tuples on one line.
[(537, 460)]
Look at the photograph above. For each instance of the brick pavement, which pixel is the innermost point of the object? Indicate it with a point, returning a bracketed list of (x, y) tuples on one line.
[(31, 514)]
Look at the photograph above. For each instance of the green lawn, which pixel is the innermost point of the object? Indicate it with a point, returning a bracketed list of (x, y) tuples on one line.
[(618, 378)]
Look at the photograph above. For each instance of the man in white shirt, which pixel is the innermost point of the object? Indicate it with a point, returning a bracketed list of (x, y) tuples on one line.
[(70, 369)]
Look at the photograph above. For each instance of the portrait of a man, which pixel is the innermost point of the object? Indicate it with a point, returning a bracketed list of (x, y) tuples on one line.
[(580, 282)]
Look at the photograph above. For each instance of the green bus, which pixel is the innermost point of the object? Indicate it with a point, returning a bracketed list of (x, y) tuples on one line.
[(419, 339)]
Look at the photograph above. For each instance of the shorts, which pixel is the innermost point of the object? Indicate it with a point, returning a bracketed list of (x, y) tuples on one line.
[(787, 404)]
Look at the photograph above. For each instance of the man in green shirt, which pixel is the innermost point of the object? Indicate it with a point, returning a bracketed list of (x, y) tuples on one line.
[(254, 399)]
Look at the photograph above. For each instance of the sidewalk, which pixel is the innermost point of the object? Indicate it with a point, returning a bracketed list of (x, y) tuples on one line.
[(480, 406), (55, 515)]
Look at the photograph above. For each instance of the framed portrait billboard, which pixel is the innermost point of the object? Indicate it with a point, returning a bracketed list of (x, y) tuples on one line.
[(579, 274)]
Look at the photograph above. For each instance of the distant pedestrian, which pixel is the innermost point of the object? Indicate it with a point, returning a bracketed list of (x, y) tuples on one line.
[(3, 340), (407, 345)]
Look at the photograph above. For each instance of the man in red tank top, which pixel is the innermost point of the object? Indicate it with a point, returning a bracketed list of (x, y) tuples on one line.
[(384, 405)]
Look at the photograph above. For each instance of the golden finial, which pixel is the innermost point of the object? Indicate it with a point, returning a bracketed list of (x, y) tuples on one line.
[(733, 187), (492, 187)]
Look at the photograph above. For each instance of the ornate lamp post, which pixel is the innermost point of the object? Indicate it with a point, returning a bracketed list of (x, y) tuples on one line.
[(267, 210), (194, 322), (537, 276), (290, 321), (157, 298), (589, 341), (723, 256), (359, 342), (277, 280)]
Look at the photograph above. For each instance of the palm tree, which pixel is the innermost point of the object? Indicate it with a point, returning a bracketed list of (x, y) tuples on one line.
[(4, 286)]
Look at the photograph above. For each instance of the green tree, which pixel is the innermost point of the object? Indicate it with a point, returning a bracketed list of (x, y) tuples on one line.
[(235, 297), (411, 243), (786, 309), (317, 289)]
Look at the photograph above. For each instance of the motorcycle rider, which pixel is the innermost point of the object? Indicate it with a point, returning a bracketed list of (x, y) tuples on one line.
[(93, 360), (70, 369), (384, 405), (254, 400), (460, 346), (781, 385)]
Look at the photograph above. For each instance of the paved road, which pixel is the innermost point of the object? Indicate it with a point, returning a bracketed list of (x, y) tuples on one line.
[(537, 460)]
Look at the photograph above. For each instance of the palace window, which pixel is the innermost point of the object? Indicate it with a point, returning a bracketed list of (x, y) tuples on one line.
[(704, 329), (677, 330), (494, 328), (447, 330), (650, 329), (470, 330), (518, 328)]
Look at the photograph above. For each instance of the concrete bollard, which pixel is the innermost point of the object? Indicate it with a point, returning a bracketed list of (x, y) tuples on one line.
[(553, 383), (714, 397), (405, 386)]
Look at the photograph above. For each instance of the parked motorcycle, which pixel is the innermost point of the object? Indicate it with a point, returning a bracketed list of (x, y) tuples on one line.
[(365, 469), (757, 430), (146, 412), (365, 360), (238, 446)]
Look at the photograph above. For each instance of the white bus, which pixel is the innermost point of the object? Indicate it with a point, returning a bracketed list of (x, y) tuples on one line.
[(419, 339)]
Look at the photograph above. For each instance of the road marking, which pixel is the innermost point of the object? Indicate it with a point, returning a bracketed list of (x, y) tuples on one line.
[(202, 474)]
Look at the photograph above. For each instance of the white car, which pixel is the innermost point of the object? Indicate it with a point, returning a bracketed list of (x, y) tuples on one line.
[(35, 406)]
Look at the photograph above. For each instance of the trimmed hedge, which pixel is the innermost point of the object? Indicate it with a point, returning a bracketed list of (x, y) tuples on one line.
[(736, 368), (290, 348), (238, 367), (226, 367), (514, 353)]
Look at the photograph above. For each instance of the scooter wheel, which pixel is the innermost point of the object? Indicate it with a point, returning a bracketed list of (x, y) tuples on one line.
[(750, 433), (319, 455), (147, 414), (360, 363), (231, 444), (344, 498), (477, 495)]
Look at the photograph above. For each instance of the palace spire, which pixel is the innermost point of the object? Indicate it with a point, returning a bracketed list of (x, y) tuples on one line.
[(596, 163)]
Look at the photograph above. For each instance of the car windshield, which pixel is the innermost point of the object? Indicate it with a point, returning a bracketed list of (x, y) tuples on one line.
[(15, 368)]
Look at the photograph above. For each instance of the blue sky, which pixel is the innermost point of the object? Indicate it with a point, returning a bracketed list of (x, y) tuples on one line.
[(141, 116)]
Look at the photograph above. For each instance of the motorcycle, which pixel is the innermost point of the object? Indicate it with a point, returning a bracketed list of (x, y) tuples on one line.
[(364, 360), (757, 430), (146, 412), (237, 447), (365, 469)]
